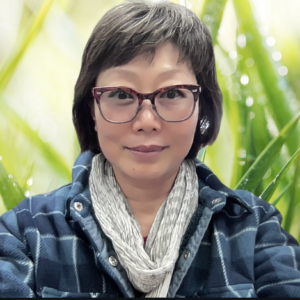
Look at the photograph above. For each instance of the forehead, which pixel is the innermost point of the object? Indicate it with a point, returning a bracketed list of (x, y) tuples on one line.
[(164, 65)]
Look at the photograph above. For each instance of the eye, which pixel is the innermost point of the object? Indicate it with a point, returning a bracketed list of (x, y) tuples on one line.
[(120, 94), (171, 94)]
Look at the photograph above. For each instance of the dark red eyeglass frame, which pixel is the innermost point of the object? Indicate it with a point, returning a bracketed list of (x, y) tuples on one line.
[(195, 89)]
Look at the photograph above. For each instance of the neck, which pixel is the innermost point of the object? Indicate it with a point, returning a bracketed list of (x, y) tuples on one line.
[(145, 199)]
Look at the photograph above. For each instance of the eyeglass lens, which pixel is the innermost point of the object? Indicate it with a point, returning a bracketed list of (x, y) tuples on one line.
[(171, 105)]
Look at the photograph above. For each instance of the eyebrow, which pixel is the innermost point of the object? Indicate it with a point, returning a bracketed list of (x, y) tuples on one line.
[(163, 73)]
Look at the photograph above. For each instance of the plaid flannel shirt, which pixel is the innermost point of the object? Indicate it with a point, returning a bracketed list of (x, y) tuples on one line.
[(52, 246)]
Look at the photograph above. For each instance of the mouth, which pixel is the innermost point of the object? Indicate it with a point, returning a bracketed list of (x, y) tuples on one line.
[(146, 153), (147, 149)]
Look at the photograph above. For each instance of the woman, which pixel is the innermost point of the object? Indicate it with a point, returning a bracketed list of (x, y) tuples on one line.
[(142, 216)]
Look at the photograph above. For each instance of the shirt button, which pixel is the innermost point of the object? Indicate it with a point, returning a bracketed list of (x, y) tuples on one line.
[(78, 206), (113, 261), (186, 254), (217, 200)]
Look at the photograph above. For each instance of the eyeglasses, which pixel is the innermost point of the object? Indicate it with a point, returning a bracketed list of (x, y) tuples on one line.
[(172, 103)]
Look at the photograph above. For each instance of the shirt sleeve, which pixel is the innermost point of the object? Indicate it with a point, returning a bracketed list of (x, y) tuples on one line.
[(16, 267), (277, 256)]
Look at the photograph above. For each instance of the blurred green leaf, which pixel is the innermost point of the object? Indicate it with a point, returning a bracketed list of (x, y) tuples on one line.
[(269, 191), (54, 159), (10, 190), (292, 201), (27, 176), (211, 15), (7, 71), (260, 105), (281, 194), (255, 173), (276, 87), (232, 113), (201, 154), (248, 143)]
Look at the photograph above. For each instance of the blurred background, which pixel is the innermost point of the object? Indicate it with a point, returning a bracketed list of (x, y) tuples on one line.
[(257, 46)]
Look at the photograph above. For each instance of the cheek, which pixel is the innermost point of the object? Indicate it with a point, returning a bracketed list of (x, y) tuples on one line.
[(187, 128), (110, 136), (183, 134), (105, 130), (107, 133)]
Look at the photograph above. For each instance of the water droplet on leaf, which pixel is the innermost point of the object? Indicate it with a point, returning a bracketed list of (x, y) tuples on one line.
[(244, 79), (249, 62), (30, 181), (232, 54), (282, 70), (270, 41), (277, 56), (249, 101), (241, 40)]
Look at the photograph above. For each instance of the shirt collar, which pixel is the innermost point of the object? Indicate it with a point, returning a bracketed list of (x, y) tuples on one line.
[(213, 192)]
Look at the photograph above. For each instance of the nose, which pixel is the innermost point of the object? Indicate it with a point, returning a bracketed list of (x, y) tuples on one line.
[(147, 118), (147, 109)]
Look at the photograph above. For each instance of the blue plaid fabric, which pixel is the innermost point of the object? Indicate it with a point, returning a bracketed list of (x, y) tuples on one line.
[(52, 246)]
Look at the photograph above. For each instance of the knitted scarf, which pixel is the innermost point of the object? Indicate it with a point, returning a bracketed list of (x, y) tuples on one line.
[(149, 268)]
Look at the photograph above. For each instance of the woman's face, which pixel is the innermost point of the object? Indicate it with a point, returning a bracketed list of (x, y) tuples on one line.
[(147, 128)]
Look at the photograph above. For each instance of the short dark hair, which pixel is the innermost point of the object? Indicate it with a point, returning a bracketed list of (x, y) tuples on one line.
[(139, 27)]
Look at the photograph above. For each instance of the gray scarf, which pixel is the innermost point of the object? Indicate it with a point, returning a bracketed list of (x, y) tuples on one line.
[(149, 269)]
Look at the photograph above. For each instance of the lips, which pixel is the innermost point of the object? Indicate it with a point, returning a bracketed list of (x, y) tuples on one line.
[(151, 148)]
